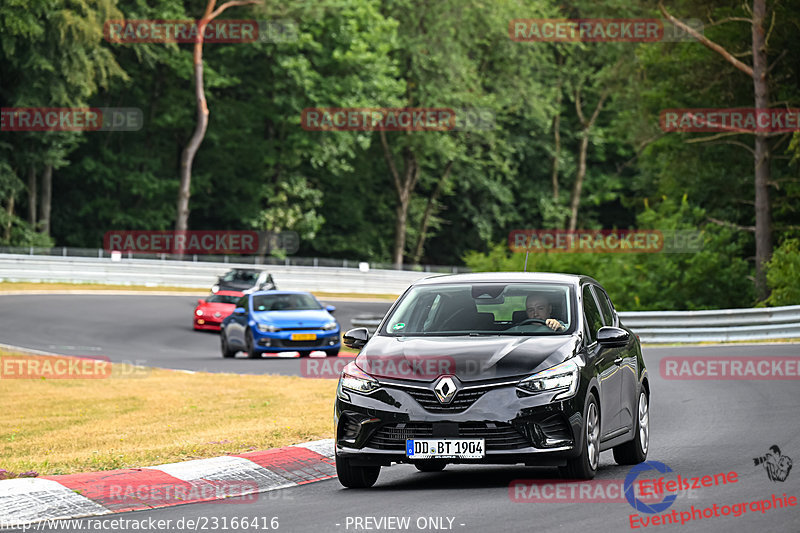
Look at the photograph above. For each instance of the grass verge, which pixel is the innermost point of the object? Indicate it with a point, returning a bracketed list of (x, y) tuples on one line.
[(139, 417)]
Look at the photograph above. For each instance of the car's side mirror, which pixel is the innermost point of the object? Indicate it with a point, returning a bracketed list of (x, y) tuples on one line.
[(239, 311), (356, 338), (611, 336), (200, 301), (330, 308)]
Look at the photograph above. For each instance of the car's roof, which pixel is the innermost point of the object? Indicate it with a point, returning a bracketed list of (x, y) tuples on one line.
[(254, 293), (505, 277)]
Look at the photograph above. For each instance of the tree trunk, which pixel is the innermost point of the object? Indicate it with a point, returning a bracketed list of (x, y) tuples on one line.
[(762, 155), (576, 191), (9, 218), (47, 195), (557, 132), (426, 217), (32, 196), (404, 186), (187, 157)]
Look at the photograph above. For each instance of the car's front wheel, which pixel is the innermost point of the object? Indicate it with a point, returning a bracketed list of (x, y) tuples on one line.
[(227, 351), (585, 465), (635, 451), (356, 477), (250, 346), (332, 353)]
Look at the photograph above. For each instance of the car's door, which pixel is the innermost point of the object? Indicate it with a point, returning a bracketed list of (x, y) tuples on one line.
[(629, 370), (606, 366), (238, 323)]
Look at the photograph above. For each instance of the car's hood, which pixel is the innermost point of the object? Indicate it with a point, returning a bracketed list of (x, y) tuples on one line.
[(311, 318), (217, 306), (468, 358)]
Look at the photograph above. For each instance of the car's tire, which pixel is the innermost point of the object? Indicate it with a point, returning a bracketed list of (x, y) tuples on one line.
[(584, 466), (332, 353), (356, 477), (635, 451), (250, 345), (431, 465), (305, 353), (227, 351)]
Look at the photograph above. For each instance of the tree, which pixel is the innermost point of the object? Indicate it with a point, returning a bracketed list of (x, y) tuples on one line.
[(761, 154)]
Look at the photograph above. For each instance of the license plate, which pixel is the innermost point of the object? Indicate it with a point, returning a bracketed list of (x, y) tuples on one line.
[(445, 448), (304, 336)]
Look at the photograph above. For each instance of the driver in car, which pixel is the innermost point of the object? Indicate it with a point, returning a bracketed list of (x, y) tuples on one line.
[(537, 306)]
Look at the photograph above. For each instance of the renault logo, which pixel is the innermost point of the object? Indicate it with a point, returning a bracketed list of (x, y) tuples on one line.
[(445, 389)]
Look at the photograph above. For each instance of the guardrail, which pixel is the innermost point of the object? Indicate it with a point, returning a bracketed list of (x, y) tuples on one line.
[(157, 273), (693, 326)]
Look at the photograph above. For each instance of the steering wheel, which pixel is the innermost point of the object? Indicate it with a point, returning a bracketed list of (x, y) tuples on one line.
[(530, 320)]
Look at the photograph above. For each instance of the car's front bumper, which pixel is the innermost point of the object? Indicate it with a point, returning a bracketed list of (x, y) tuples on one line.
[(281, 341), (206, 324), (516, 428)]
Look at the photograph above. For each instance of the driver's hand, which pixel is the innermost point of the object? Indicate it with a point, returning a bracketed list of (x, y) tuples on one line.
[(554, 324)]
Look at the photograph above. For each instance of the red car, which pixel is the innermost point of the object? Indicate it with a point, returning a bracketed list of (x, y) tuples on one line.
[(209, 312)]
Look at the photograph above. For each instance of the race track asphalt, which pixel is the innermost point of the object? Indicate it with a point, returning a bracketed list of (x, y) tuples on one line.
[(147, 330), (699, 427)]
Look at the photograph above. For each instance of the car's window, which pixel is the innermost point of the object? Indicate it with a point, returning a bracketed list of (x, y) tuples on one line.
[(605, 306), (482, 308), (284, 302), (240, 275), (593, 319), (243, 302), (223, 299)]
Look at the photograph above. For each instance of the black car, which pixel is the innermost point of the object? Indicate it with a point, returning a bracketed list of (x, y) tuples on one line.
[(493, 368), (244, 280)]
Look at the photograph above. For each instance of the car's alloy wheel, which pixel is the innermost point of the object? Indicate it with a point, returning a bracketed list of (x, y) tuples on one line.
[(250, 344), (356, 477), (584, 466), (226, 349), (635, 451)]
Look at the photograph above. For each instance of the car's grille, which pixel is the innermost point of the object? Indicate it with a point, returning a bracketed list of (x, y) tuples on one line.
[(462, 401), (298, 344), (498, 435)]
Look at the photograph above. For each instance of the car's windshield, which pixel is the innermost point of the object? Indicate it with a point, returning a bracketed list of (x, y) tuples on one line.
[(284, 302), (240, 275), (223, 299), (484, 309)]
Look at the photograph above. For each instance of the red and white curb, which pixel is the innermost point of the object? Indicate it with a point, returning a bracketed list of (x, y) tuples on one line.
[(229, 479)]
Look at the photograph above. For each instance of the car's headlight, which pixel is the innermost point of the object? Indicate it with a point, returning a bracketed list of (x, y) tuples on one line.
[(329, 326), (563, 377), (215, 289), (355, 379), (268, 328), (199, 312)]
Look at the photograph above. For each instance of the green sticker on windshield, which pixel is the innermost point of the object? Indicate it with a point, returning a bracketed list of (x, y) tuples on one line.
[(399, 325)]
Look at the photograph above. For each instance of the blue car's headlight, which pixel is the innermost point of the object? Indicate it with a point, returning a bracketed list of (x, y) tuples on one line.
[(268, 328), (329, 326), (563, 377)]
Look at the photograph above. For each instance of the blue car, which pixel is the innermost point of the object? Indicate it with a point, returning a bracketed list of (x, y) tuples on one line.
[(280, 321)]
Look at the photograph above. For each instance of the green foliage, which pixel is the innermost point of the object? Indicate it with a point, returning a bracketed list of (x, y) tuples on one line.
[(783, 274)]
